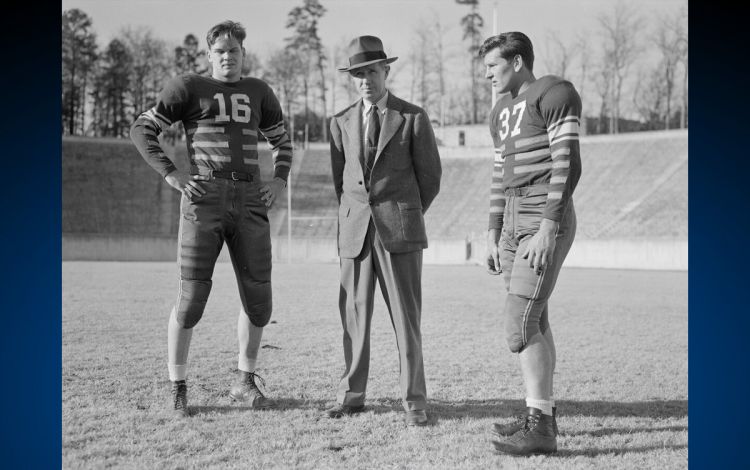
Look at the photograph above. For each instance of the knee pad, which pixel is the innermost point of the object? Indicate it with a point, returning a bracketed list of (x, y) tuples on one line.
[(256, 301), (258, 314), (192, 301)]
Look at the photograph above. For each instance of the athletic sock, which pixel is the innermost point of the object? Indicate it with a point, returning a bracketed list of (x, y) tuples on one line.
[(177, 372), (544, 405), (246, 364)]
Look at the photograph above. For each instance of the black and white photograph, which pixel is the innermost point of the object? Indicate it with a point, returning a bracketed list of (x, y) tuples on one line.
[(337, 234)]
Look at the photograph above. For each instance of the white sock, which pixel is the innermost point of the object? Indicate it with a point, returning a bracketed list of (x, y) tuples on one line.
[(177, 372), (544, 405), (246, 364)]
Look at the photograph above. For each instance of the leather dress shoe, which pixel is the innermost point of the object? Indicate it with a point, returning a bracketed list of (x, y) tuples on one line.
[(416, 418), (339, 411)]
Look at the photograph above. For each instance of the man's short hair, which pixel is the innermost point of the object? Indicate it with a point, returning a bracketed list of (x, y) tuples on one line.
[(510, 44), (230, 29)]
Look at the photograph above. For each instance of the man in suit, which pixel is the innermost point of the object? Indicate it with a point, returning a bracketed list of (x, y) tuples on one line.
[(386, 172)]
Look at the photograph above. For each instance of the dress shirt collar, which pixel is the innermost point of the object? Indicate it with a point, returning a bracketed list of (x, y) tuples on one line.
[(380, 104)]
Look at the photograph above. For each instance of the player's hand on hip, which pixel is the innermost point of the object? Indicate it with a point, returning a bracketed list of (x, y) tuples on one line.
[(541, 247), (271, 191), (493, 252), (186, 183)]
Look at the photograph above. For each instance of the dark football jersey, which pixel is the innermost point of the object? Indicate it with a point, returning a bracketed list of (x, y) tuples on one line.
[(536, 143), (221, 121)]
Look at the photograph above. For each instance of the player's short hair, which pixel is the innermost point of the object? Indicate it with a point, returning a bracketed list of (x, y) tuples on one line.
[(230, 29), (510, 44)]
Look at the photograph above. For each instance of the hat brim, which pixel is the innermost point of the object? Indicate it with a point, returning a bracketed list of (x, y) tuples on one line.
[(364, 64)]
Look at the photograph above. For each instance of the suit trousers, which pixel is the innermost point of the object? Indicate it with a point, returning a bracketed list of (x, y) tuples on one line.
[(400, 278)]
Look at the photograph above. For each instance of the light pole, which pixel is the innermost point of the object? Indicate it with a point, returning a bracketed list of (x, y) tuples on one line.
[(494, 32)]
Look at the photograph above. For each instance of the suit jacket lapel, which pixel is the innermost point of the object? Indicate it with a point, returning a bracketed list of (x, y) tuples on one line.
[(391, 122), (353, 127)]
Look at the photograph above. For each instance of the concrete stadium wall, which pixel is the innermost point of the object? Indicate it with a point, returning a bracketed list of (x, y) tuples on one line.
[(126, 212), (629, 254), (615, 254), (114, 247), (620, 254)]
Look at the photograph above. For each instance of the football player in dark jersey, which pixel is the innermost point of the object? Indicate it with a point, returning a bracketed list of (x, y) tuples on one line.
[(532, 223), (223, 198)]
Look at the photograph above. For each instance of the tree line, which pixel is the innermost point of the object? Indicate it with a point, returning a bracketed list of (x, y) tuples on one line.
[(104, 90)]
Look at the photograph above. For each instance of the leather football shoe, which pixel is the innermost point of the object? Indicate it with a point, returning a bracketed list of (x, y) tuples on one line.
[(508, 429), (536, 437), (179, 399), (246, 390)]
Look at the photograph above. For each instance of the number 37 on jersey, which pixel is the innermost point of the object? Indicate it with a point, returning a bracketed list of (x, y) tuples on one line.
[(509, 121)]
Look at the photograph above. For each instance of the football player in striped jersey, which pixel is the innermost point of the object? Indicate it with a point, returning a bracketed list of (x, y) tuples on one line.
[(223, 198), (532, 223)]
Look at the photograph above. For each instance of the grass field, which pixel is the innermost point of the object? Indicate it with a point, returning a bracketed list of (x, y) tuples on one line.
[(620, 385)]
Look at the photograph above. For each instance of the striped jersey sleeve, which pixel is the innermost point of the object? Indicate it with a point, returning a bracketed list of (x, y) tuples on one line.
[(146, 129), (272, 128), (497, 195), (560, 108)]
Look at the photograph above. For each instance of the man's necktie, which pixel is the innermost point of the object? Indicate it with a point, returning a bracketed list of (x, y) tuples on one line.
[(373, 133)]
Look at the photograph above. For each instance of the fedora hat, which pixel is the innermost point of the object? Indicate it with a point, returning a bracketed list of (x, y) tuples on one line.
[(366, 50)]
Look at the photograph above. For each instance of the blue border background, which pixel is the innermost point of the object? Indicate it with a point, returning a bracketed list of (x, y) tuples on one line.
[(30, 343), (719, 317), (30, 335)]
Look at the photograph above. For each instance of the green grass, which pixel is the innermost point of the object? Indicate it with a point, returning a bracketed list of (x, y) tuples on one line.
[(621, 379)]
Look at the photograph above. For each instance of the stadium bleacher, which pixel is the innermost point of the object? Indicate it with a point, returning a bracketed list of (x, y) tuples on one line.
[(633, 186)]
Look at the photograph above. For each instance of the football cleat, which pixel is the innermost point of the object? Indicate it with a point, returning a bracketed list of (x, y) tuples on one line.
[(179, 399), (504, 430), (536, 437), (246, 390)]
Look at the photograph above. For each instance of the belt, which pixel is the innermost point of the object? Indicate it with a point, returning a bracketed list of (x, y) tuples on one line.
[(527, 190), (232, 175)]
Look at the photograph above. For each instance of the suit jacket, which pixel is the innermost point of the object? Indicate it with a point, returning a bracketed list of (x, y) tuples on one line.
[(404, 180)]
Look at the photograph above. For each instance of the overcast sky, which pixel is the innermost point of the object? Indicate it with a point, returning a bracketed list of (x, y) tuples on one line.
[(392, 20)]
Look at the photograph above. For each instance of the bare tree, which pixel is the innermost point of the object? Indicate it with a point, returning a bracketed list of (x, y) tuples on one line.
[(559, 55), (282, 70), (189, 57), (650, 97), (251, 65), (620, 31), (472, 25), (440, 66), (342, 81), (111, 90), (602, 77), (583, 47), (151, 64), (79, 56), (420, 60), (681, 32), (669, 37), (304, 21), (427, 63)]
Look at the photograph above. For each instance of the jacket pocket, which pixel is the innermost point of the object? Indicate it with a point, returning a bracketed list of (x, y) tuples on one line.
[(412, 221)]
